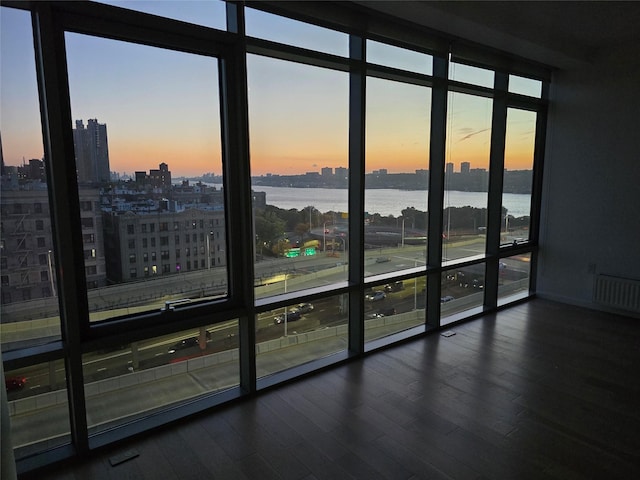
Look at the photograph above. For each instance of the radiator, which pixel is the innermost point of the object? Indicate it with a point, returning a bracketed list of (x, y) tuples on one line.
[(618, 293)]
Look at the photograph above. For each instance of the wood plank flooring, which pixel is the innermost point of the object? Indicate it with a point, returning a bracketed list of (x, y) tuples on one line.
[(538, 391)]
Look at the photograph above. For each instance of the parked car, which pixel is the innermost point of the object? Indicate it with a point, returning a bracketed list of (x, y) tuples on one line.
[(394, 287), (292, 316), (376, 296), (14, 383), (304, 307)]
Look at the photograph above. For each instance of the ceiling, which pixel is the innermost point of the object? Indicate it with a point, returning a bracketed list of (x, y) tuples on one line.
[(562, 34)]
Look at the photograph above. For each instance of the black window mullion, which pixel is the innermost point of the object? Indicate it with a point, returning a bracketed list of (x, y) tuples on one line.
[(496, 180), (536, 188), (237, 178), (357, 110), (437, 158), (65, 207)]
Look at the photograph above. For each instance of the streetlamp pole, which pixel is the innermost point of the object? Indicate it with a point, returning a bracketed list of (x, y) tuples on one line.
[(53, 288), (285, 308), (415, 288), (402, 232), (324, 237), (208, 252)]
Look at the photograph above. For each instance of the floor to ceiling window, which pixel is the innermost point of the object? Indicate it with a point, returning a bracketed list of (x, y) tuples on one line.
[(198, 204)]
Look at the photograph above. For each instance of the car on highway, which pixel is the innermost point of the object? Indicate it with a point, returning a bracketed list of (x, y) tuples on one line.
[(304, 307), (375, 315), (394, 287), (376, 296), (12, 384), (185, 343), (291, 316), (446, 298), (383, 259)]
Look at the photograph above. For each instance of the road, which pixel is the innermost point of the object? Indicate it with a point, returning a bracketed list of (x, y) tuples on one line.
[(154, 352)]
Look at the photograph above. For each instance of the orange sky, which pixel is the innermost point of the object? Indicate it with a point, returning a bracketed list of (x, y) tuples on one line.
[(162, 106)]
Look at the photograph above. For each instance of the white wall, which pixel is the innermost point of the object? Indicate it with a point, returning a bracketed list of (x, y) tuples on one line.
[(591, 204)]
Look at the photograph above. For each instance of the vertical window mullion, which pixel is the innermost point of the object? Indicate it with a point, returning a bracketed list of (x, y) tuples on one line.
[(357, 110), (437, 156), (496, 180), (65, 205), (235, 146), (536, 187)]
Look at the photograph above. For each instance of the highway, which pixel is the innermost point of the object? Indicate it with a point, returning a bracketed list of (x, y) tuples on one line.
[(327, 312)]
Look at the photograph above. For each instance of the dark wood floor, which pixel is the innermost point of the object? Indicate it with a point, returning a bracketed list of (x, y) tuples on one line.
[(538, 391)]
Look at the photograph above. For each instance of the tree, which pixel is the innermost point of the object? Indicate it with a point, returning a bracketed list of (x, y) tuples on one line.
[(268, 226), (280, 247), (300, 230)]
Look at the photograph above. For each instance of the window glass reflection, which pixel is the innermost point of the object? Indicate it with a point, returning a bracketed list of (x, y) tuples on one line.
[(298, 122), (210, 13), (146, 123), (466, 176), (394, 307), (38, 407), (28, 289), (293, 32), (397, 178), (525, 86), (130, 381), (300, 333), (402, 58), (514, 277), (462, 289), (473, 75), (518, 176)]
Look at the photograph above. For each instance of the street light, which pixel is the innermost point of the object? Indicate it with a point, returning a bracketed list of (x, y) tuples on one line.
[(415, 288), (324, 237), (285, 308), (209, 250), (53, 288)]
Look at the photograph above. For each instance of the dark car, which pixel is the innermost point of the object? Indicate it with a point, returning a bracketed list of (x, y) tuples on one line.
[(182, 344), (291, 316), (383, 259), (304, 307), (14, 383), (376, 296), (394, 287)]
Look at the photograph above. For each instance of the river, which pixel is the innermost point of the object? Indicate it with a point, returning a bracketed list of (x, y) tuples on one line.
[(385, 201)]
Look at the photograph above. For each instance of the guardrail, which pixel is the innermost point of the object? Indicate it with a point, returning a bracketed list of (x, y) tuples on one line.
[(100, 387)]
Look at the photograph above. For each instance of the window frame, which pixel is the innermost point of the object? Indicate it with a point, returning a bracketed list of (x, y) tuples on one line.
[(52, 19)]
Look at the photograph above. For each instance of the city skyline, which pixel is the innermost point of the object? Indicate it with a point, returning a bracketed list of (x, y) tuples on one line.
[(298, 114)]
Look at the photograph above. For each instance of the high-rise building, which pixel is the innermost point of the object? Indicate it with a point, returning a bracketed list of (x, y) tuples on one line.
[(341, 172), (465, 167), (326, 171), (449, 168), (92, 151)]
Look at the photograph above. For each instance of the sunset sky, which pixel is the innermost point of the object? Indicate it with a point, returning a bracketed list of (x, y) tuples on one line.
[(162, 106)]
